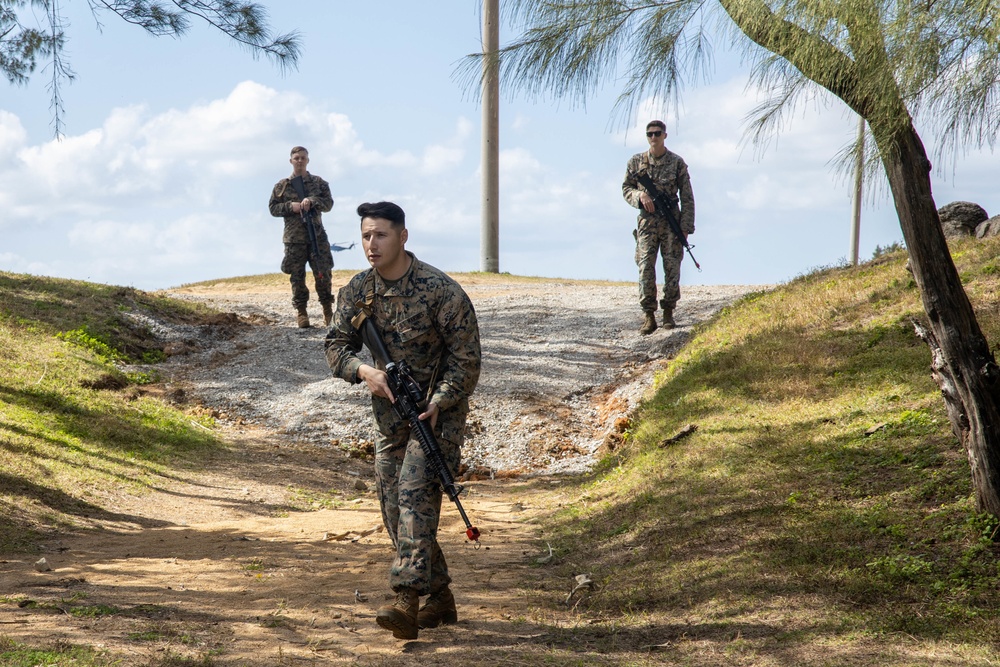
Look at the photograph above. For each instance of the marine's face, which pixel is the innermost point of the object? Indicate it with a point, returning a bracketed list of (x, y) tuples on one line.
[(299, 162), (383, 246), (656, 136)]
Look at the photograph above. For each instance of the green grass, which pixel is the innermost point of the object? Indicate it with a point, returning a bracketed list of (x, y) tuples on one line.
[(13, 654), (822, 500), (52, 306), (75, 423), (71, 606)]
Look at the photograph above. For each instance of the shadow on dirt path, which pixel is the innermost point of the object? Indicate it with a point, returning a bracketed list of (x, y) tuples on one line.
[(236, 573)]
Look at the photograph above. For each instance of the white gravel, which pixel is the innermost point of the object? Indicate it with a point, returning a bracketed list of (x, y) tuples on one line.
[(561, 362)]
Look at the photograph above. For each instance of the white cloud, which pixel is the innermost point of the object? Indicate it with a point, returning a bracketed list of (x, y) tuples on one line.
[(438, 158), (519, 163), (12, 135), (154, 198)]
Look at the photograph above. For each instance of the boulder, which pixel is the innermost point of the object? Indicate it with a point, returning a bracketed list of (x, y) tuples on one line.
[(989, 228), (960, 218)]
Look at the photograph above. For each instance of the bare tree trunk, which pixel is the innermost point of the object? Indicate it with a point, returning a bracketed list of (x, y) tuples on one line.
[(963, 365)]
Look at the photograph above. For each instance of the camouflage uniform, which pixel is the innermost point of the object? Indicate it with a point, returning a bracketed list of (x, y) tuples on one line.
[(426, 319), (298, 250), (653, 234)]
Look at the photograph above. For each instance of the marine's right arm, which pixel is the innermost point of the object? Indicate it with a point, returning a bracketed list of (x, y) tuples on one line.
[(279, 205), (630, 187), (343, 342)]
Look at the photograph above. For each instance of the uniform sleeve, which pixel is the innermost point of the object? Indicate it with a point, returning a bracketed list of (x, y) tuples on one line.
[(630, 186), (320, 195), (343, 342), (462, 361), (278, 206), (686, 196)]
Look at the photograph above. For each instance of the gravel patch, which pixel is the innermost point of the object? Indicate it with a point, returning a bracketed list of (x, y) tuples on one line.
[(562, 363)]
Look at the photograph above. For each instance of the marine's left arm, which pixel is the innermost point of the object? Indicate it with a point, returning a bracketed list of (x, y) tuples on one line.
[(456, 323), (686, 196)]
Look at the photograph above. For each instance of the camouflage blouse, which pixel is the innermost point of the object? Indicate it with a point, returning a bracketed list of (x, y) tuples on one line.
[(426, 319), (670, 174), (284, 195)]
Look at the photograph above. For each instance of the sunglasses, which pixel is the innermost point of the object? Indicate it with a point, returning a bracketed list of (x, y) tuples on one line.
[(654, 133)]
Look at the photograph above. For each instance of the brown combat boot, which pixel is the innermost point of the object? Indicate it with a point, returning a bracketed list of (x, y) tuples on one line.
[(327, 313), (439, 608), (648, 324), (668, 318), (400, 617), (303, 318)]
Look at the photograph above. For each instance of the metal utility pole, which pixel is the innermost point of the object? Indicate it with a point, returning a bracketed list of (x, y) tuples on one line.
[(489, 244), (858, 171)]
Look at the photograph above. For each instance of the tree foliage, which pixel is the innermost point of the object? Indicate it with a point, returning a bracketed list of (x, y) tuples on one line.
[(939, 59), (888, 60), (23, 45)]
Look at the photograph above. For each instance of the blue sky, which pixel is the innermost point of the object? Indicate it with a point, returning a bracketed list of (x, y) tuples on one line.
[(171, 148)]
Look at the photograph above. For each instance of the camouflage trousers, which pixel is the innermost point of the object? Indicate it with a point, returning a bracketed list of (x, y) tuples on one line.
[(410, 496), (294, 264), (654, 237)]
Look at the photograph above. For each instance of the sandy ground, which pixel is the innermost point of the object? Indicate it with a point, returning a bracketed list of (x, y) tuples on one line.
[(273, 554)]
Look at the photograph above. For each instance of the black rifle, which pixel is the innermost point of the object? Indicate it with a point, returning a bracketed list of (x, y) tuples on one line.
[(408, 397), (307, 218), (665, 207)]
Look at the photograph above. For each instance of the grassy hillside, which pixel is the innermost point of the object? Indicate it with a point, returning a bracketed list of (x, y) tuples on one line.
[(821, 508), (74, 429)]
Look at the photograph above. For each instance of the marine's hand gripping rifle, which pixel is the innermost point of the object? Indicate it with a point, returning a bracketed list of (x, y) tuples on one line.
[(307, 217), (408, 397), (664, 206)]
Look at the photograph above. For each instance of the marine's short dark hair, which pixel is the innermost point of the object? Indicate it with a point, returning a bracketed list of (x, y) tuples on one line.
[(657, 123), (383, 209), (299, 149)]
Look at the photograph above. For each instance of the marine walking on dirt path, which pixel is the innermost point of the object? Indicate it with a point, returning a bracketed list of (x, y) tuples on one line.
[(301, 199), (653, 235), (426, 319)]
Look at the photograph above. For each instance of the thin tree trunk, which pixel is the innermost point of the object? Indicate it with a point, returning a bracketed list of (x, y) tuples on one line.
[(963, 364)]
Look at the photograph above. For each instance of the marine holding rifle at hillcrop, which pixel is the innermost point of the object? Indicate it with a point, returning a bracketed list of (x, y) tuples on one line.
[(301, 199), (426, 320), (667, 172)]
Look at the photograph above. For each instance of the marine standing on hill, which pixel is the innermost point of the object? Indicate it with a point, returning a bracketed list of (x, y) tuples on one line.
[(287, 203), (653, 235), (426, 319)]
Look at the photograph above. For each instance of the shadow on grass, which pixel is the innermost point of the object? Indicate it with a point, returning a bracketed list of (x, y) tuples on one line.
[(105, 426), (56, 305)]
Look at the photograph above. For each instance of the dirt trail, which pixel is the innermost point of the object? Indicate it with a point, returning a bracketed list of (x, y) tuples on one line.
[(232, 565), (219, 564)]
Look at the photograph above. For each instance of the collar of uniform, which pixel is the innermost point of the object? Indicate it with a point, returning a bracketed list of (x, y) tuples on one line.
[(401, 287)]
